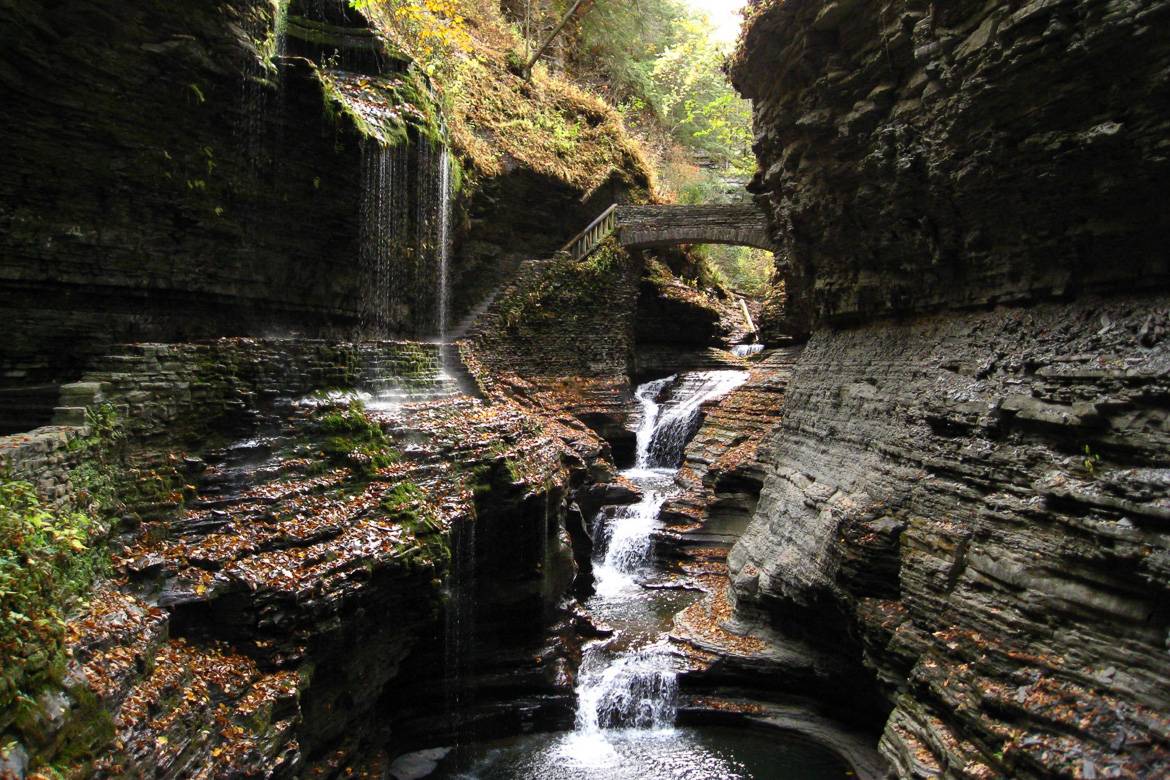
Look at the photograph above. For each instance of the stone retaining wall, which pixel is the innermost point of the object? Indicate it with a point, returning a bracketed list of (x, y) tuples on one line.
[(170, 392)]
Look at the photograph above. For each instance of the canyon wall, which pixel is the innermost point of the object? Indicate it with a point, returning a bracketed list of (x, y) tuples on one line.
[(258, 168), (916, 155), (966, 498), (161, 182)]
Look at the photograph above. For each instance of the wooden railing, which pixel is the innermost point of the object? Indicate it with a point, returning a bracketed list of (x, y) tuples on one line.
[(583, 244)]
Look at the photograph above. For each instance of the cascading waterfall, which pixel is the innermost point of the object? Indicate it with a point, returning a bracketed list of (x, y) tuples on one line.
[(384, 219), (280, 30), (679, 418), (408, 285), (635, 690), (261, 75), (433, 235), (627, 685), (459, 623), (647, 396), (635, 685)]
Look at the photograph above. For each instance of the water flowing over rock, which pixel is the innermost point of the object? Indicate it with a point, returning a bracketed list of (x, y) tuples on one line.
[(408, 287), (676, 419), (385, 219), (638, 690), (747, 350), (631, 682)]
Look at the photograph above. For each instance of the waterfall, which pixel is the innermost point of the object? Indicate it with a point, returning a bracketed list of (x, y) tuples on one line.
[(622, 537), (677, 420), (383, 220), (407, 287), (443, 249), (747, 350), (459, 624), (280, 32), (635, 690), (647, 396), (432, 250), (635, 686)]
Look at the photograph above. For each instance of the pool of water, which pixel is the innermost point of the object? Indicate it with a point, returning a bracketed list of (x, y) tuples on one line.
[(698, 753)]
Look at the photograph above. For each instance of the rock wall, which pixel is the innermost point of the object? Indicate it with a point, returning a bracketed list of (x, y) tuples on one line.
[(570, 336), (677, 326), (965, 498), (974, 505), (179, 392), (917, 155), (721, 475), (561, 336), (160, 182)]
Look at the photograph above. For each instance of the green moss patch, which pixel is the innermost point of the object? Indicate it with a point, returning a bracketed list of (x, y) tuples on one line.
[(385, 108), (354, 439)]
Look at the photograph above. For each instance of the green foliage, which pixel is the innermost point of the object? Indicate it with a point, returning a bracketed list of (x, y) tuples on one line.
[(407, 505), (403, 498), (663, 59), (482, 476), (739, 268), (100, 454), (433, 31), (1091, 461), (407, 95), (46, 565)]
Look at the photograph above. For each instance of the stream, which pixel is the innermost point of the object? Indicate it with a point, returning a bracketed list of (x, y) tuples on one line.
[(627, 685)]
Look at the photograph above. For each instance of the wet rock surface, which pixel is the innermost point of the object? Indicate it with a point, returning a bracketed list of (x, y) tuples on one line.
[(971, 504), (720, 475), (965, 509), (319, 586), (112, 206), (276, 610)]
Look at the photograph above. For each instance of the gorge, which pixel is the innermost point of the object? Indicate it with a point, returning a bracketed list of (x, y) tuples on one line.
[(332, 446)]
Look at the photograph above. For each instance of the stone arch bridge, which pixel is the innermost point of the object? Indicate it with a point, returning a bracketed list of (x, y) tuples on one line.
[(644, 227)]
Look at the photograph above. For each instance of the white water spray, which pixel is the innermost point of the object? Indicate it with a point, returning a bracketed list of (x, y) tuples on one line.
[(637, 686), (747, 350)]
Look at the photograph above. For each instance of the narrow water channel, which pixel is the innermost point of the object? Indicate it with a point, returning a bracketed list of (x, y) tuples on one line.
[(627, 685)]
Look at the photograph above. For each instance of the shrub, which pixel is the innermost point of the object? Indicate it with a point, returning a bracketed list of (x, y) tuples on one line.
[(46, 565)]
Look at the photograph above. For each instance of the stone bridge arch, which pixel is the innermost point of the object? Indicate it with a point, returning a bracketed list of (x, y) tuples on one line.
[(643, 227)]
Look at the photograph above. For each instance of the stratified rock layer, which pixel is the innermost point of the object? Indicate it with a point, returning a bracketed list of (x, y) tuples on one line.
[(971, 504), (721, 475), (310, 587), (976, 505), (920, 155)]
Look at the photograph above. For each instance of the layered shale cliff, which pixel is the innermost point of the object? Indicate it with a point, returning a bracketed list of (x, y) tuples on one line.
[(264, 577), (965, 502), (266, 167)]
